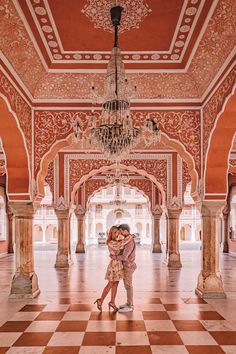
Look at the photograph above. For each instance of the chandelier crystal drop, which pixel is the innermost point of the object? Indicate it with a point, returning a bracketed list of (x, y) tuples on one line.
[(117, 179)]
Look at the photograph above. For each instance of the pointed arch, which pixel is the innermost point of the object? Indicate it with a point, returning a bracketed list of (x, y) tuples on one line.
[(217, 157), (126, 185), (58, 145), (105, 169)]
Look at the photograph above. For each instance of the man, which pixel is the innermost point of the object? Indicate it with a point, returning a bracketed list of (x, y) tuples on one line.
[(128, 259)]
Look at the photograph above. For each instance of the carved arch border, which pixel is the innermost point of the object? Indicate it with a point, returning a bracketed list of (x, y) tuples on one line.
[(165, 139), (210, 176), (112, 167), (25, 191), (126, 185)]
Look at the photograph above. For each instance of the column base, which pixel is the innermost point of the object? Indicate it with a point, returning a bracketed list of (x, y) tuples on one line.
[(80, 248), (210, 287), (173, 260), (157, 248), (24, 286), (63, 261), (226, 247)]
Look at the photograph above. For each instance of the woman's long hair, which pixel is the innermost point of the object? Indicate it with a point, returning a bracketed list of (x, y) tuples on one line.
[(110, 232)]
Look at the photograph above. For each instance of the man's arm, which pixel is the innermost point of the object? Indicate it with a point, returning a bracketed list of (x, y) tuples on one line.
[(127, 251)]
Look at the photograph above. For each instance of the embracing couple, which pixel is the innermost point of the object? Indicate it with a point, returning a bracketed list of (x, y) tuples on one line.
[(121, 245)]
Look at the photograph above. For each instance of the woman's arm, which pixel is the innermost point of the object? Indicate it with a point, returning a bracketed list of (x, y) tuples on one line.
[(128, 249)]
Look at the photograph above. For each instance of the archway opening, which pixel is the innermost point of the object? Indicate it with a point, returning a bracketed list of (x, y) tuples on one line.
[(103, 211), (219, 147), (190, 223), (45, 223)]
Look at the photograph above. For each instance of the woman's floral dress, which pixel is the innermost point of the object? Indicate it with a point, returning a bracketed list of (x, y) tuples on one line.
[(115, 270)]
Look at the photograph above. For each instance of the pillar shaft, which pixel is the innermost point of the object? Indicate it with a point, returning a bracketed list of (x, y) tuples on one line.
[(10, 222), (157, 212), (225, 214), (63, 258), (210, 284), (173, 255), (80, 214), (25, 282)]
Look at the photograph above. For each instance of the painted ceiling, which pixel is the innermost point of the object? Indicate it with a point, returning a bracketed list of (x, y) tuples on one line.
[(176, 49)]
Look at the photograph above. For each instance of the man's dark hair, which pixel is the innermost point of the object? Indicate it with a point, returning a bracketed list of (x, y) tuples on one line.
[(124, 227)]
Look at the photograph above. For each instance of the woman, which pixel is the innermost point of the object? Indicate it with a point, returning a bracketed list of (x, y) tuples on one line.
[(115, 272)]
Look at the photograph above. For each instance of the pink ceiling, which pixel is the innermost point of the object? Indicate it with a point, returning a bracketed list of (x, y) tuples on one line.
[(66, 36), (46, 72)]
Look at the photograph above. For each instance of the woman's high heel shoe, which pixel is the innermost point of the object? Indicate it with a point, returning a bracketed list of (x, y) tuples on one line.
[(112, 305), (99, 304)]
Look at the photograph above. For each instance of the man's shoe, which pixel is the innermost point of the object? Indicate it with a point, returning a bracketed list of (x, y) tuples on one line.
[(127, 309), (122, 306)]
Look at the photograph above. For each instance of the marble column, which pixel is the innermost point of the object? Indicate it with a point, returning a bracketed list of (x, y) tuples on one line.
[(25, 281), (210, 284), (63, 258), (225, 214), (157, 212), (80, 214), (10, 226), (173, 256)]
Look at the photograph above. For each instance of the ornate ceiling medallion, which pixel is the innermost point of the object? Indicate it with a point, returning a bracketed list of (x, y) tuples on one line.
[(98, 11)]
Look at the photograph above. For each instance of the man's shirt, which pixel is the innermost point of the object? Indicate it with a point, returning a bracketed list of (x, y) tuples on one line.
[(128, 255)]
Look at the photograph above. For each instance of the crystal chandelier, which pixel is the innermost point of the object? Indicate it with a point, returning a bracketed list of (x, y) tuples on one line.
[(113, 131), (117, 179), (117, 201)]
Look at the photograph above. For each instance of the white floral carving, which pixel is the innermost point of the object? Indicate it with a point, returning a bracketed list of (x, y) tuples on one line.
[(183, 125), (20, 107), (214, 106), (217, 43), (17, 46), (98, 11)]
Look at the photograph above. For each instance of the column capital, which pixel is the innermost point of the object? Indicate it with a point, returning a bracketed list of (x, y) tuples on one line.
[(79, 211), (157, 211), (174, 208), (62, 213), (173, 213), (23, 209), (211, 208), (61, 208)]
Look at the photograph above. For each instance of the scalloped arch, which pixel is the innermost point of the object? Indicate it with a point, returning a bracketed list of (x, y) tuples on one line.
[(50, 155), (127, 185), (112, 167), (16, 154), (217, 157)]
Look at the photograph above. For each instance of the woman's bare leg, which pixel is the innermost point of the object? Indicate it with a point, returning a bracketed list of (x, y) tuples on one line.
[(114, 291), (106, 290)]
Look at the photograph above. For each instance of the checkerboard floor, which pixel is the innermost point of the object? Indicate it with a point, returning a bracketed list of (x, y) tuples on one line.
[(156, 326)]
